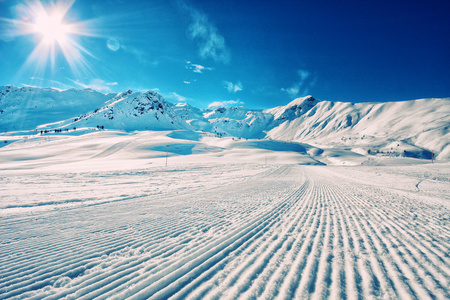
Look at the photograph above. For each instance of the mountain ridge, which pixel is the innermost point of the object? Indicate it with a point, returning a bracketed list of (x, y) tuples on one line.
[(416, 125)]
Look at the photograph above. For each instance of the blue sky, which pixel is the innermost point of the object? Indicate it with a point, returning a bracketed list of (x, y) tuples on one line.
[(258, 54)]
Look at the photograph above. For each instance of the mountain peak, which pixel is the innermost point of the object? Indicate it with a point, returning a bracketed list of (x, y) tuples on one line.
[(293, 109), (300, 100)]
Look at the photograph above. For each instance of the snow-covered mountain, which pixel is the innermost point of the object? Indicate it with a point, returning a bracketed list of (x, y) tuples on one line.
[(293, 110), (28, 107), (132, 111), (417, 127), (239, 121)]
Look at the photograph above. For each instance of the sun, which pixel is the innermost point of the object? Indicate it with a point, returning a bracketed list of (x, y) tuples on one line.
[(51, 27), (56, 36)]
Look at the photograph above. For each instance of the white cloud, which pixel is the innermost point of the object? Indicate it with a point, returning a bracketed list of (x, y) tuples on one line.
[(176, 97), (215, 104), (186, 82), (302, 86), (211, 44), (96, 84), (49, 82), (179, 97), (224, 103), (196, 68), (233, 88)]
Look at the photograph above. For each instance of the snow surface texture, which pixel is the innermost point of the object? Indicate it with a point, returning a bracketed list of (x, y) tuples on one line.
[(103, 208), (211, 230), (417, 128)]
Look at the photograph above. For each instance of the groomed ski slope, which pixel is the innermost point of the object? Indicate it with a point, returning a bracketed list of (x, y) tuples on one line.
[(211, 231)]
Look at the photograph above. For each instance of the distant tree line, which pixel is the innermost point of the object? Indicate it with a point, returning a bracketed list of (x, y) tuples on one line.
[(99, 127), (55, 131)]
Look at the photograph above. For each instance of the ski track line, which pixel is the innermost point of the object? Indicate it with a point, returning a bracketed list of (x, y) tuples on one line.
[(218, 251), (399, 216), (300, 218), (361, 274), (416, 268), (414, 250), (344, 206), (60, 263), (54, 249), (302, 253), (251, 271), (348, 288), (378, 284), (307, 284), (333, 286), (200, 252), (294, 247), (289, 232), (429, 241), (407, 261), (324, 267), (294, 222)]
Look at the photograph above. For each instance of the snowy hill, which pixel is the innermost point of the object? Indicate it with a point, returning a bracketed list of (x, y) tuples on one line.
[(417, 128), (410, 126), (28, 107)]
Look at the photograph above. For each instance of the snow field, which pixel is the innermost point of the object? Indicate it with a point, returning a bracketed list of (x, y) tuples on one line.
[(225, 232)]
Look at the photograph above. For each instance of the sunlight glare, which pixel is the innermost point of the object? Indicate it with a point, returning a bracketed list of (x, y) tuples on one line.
[(51, 28), (55, 37)]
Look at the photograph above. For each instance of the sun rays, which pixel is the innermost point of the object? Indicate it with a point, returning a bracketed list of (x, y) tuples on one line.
[(57, 39), (52, 28)]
